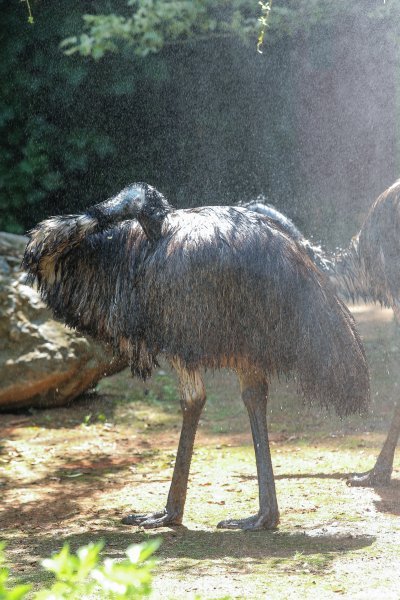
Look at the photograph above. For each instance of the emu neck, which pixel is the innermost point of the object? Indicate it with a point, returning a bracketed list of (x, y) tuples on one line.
[(152, 217)]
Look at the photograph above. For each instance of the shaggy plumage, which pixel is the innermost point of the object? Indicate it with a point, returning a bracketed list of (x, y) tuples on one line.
[(208, 287), (379, 248), (320, 258), (222, 287), (369, 270), (343, 268)]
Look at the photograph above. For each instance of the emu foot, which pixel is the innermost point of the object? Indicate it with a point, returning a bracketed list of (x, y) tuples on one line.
[(255, 523), (373, 478), (162, 518)]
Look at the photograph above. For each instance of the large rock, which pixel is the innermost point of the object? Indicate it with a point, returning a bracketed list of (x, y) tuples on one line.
[(42, 363)]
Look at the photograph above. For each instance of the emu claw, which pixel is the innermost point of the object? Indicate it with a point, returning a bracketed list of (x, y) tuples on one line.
[(372, 478), (255, 523), (153, 520)]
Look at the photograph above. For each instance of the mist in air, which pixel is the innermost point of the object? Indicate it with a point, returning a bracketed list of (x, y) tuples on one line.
[(310, 123)]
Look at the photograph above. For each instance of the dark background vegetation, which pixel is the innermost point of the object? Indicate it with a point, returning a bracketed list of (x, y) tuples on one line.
[(312, 123)]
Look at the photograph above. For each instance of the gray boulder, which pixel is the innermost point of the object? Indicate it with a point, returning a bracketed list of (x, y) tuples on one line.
[(42, 363)]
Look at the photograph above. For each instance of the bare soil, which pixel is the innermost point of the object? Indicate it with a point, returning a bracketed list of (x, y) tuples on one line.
[(71, 473)]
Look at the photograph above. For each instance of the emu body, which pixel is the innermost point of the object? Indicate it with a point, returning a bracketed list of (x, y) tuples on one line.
[(209, 287), (369, 270), (320, 258)]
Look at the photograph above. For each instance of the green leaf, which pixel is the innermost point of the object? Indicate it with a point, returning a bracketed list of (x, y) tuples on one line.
[(17, 593), (141, 552)]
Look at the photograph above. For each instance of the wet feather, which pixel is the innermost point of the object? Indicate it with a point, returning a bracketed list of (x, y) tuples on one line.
[(216, 287)]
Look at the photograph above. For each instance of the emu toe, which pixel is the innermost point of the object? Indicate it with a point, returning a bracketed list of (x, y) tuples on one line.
[(255, 523), (153, 520), (372, 478)]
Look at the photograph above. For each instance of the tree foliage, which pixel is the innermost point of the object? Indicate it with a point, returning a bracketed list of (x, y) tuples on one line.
[(177, 95), (148, 25), (74, 130), (47, 137)]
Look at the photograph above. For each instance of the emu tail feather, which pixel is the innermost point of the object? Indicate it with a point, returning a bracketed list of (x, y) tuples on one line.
[(332, 367), (50, 240)]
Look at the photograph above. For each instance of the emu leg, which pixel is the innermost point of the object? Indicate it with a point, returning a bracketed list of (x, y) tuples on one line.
[(254, 390), (382, 471), (193, 398)]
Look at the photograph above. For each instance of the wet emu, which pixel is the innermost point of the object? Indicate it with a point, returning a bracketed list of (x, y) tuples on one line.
[(369, 270), (318, 255), (208, 287)]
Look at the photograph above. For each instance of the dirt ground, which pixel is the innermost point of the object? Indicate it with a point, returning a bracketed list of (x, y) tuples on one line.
[(71, 473)]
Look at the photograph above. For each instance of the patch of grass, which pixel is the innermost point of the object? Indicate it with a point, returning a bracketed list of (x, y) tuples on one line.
[(313, 564)]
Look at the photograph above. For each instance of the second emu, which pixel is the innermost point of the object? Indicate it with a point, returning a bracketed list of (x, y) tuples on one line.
[(208, 287)]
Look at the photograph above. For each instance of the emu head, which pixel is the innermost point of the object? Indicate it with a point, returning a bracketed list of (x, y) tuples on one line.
[(137, 201), (51, 240)]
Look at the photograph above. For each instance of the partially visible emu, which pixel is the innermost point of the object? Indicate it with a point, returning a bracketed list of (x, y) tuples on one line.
[(369, 270), (209, 287)]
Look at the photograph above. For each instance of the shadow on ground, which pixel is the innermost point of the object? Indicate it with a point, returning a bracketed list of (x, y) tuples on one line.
[(389, 502), (183, 543)]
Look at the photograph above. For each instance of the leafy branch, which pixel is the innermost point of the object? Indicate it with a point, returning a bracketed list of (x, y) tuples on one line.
[(264, 22), (83, 575), (30, 15), (154, 24)]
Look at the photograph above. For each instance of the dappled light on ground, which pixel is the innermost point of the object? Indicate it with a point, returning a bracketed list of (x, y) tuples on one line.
[(72, 473)]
